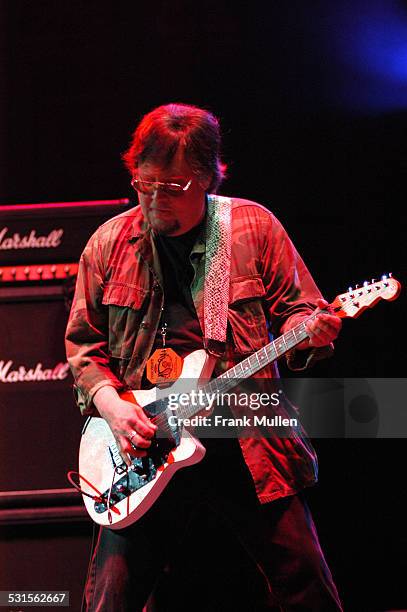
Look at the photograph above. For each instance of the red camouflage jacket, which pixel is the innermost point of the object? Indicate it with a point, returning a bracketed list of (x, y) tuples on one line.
[(116, 311)]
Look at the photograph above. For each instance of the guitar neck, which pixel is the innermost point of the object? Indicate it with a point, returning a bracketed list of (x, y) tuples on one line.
[(350, 304), (249, 366), (258, 360)]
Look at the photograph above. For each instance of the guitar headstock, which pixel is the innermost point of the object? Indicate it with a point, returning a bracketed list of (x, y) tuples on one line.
[(355, 301)]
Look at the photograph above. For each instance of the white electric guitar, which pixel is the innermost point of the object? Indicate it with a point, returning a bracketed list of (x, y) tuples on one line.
[(115, 495)]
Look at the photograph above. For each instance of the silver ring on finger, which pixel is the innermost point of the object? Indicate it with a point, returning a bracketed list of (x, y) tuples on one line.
[(131, 436)]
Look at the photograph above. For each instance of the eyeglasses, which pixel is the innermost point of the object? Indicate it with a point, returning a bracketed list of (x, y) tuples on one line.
[(149, 187)]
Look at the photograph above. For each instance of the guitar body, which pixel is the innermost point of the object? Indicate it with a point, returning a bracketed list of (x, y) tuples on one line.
[(134, 491)]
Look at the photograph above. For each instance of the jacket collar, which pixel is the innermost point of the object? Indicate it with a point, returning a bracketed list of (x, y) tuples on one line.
[(141, 237)]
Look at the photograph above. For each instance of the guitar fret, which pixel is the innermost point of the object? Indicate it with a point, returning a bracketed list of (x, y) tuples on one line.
[(261, 356), (245, 367), (291, 340), (280, 347), (239, 368), (271, 354)]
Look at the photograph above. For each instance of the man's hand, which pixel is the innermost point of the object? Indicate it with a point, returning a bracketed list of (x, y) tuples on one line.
[(322, 330), (130, 425)]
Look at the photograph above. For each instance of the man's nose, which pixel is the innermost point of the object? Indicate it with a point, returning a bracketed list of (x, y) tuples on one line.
[(159, 198)]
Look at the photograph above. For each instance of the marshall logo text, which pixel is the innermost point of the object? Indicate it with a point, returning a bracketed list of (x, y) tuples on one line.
[(31, 240), (36, 374)]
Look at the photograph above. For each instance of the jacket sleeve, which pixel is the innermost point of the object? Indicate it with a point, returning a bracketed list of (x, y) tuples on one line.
[(87, 332), (291, 293)]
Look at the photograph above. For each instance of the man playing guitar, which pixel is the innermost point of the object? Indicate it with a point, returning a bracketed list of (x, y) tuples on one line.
[(139, 310)]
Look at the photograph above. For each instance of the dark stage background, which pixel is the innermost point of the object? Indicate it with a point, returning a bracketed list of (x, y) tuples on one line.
[(313, 102)]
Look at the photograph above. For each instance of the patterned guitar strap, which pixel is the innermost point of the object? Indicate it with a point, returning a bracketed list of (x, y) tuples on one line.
[(217, 273)]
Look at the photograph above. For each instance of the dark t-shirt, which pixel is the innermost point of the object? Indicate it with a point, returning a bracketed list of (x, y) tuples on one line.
[(184, 332)]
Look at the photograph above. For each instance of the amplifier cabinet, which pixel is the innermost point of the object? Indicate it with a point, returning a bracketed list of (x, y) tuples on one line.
[(45, 532), (45, 233), (40, 423)]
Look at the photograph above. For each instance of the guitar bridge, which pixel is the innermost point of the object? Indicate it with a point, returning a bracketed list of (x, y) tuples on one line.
[(142, 471)]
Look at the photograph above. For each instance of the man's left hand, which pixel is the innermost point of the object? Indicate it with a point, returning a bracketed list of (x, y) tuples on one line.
[(322, 330)]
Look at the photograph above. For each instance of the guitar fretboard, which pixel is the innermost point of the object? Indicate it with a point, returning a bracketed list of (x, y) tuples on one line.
[(249, 366)]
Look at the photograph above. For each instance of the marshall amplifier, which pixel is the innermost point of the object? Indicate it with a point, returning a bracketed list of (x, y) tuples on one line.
[(45, 233), (40, 425), (42, 518)]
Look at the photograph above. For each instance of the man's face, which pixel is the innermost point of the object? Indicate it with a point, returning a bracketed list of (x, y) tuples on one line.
[(167, 214)]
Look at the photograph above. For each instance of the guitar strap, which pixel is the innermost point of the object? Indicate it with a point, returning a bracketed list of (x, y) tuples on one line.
[(217, 273)]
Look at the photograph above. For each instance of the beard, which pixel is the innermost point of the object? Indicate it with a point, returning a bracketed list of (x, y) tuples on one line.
[(164, 227)]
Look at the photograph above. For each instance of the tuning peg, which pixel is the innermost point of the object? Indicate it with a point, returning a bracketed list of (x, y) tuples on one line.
[(365, 283), (384, 277), (350, 289), (373, 280), (356, 286), (390, 274)]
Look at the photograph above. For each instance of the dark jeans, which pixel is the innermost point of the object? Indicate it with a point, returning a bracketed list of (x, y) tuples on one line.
[(280, 537)]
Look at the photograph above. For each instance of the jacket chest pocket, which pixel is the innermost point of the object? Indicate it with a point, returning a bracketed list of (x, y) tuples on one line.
[(246, 315), (127, 306)]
